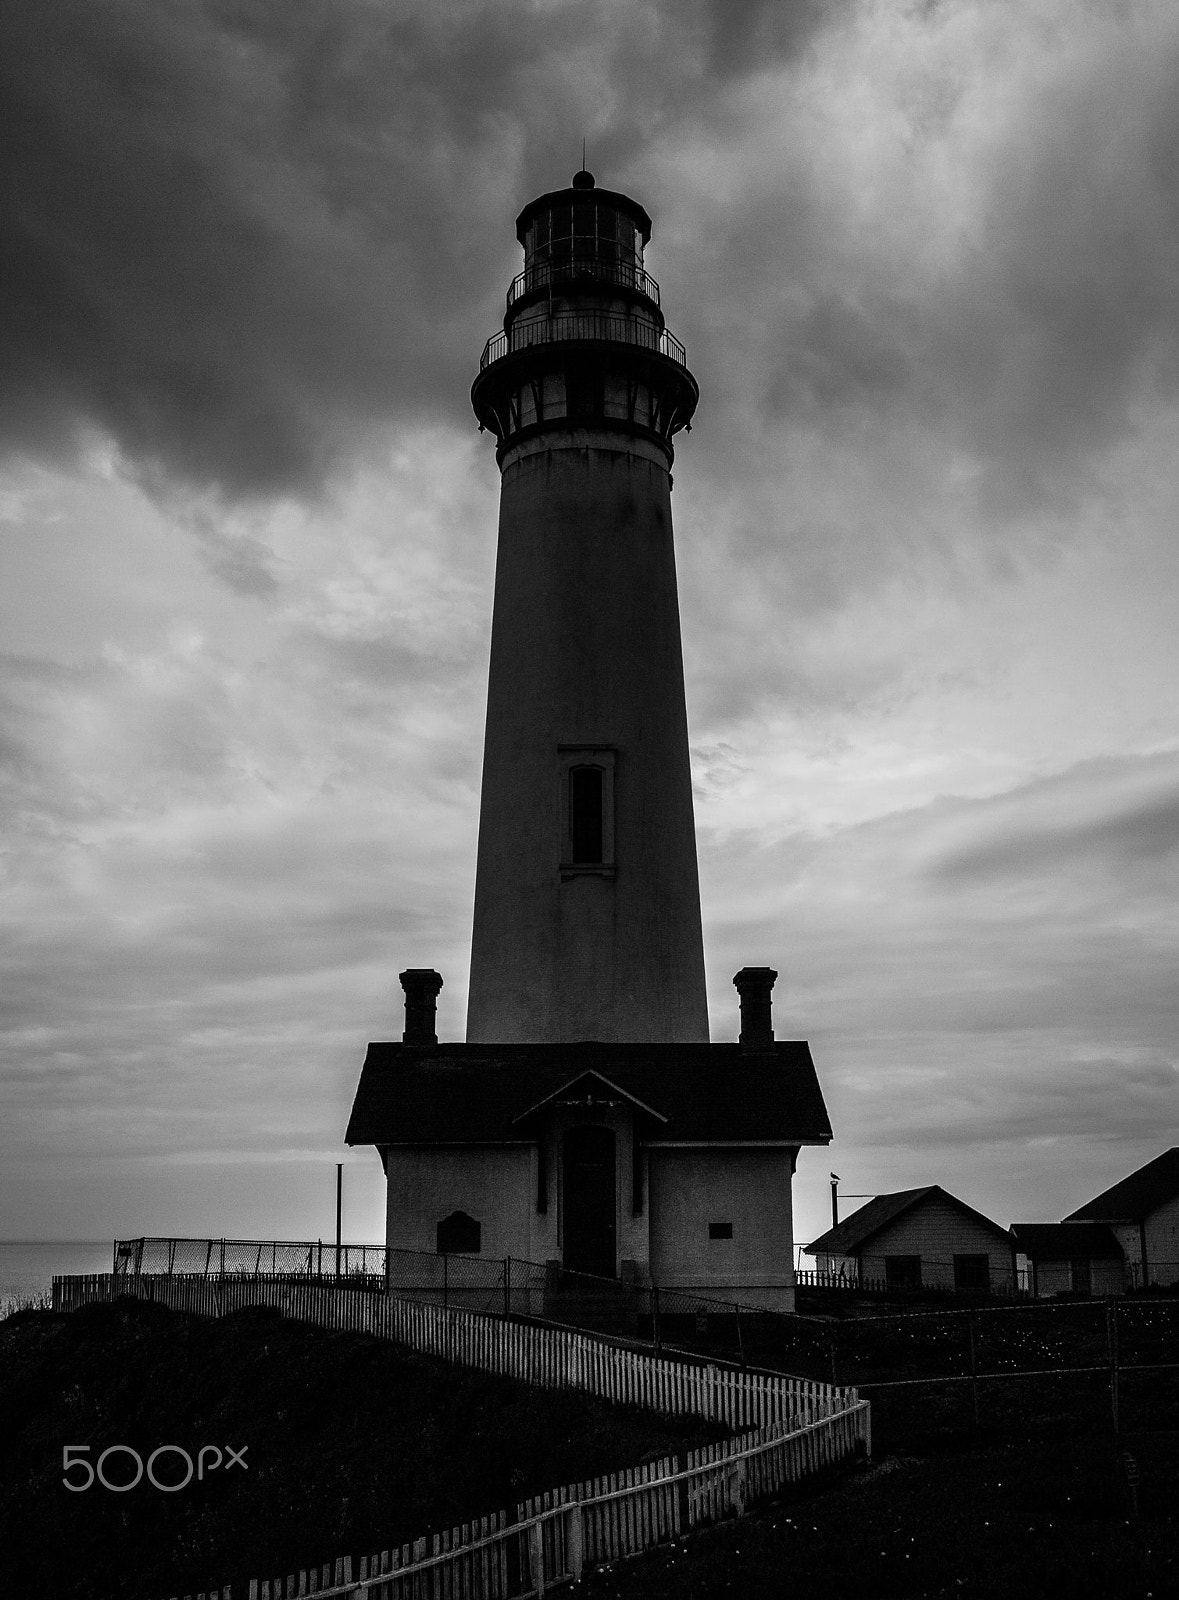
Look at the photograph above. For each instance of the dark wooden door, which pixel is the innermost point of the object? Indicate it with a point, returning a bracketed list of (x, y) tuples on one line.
[(590, 1224)]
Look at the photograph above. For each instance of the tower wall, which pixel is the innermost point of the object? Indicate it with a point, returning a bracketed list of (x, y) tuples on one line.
[(586, 658)]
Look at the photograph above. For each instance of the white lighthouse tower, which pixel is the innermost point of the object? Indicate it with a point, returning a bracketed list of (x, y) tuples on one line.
[(588, 1126), (587, 900)]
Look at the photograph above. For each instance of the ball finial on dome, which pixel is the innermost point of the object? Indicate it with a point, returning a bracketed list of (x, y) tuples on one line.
[(583, 179)]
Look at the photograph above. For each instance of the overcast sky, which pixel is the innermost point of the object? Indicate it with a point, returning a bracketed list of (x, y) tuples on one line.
[(925, 260)]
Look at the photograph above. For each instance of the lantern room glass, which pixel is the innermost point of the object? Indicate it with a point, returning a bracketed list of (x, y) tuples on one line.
[(585, 232)]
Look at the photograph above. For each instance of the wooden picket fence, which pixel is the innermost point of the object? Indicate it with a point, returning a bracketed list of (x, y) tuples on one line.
[(548, 1357), (792, 1428), (557, 1535)]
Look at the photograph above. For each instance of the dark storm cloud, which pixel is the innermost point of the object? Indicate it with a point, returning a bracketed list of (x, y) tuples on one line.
[(242, 236), (219, 229), (239, 235)]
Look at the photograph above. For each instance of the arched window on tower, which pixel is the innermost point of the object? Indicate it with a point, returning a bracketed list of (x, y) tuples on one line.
[(587, 810), (585, 814)]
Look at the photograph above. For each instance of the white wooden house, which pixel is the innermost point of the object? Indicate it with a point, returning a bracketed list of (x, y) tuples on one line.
[(1082, 1258), (1142, 1211), (919, 1238)]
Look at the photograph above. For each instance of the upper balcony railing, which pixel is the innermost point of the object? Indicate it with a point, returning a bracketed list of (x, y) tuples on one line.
[(607, 326), (544, 274)]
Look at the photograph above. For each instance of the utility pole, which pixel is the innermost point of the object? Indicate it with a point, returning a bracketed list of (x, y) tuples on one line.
[(339, 1210)]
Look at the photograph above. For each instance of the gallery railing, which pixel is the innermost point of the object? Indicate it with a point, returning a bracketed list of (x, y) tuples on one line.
[(606, 326), (545, 274)]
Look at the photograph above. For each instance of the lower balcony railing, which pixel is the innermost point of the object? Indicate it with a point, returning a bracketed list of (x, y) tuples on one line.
[(607, 326)]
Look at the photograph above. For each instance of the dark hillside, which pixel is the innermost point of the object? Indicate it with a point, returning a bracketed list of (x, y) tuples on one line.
[(352, 1444)]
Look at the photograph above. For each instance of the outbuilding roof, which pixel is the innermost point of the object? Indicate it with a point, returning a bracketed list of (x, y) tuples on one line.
[(850, 1236), (1135, 1197), (1066, 1241), (492, 1093)]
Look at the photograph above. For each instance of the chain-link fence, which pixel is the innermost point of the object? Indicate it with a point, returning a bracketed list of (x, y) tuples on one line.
[(983, 1355), (506, 1286)]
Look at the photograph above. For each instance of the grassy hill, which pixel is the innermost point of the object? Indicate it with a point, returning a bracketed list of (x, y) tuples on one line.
[(352, 1444)]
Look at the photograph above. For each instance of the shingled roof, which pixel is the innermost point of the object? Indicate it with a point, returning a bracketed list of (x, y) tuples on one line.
[(1135, 1197), (849, 1236), (1066, 1241), (488, 1093)]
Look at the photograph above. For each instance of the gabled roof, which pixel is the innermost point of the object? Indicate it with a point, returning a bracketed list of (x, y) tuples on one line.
[(596, 1089), (484, 1093), (1066, 1241), (1135, 1197), (851, 1235)]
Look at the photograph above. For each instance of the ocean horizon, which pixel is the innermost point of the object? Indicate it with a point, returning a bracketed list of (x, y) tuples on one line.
[(28, 1266)]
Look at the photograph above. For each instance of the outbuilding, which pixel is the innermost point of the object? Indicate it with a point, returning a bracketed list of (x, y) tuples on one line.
[(918, 1238), (1079, 1258), (1143, 1213)]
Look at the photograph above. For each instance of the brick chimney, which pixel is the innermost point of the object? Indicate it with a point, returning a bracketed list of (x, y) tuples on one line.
[(755, 985), (421, 985)]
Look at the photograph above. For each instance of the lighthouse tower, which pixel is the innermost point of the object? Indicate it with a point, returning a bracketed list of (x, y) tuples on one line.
[(587, 900), (588, 1123)]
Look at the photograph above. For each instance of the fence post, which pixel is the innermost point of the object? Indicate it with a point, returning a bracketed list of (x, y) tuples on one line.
[(973, 1368), (1111, 1337), (575, 1540), (740, 1338), (655, 1316), (536, 1556), (683, 1502), (445, 1282), (507, 1286)]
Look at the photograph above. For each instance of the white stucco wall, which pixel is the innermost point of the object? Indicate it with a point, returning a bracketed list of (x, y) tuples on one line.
[(689, 1188), (498, 1187), (495, 1185)]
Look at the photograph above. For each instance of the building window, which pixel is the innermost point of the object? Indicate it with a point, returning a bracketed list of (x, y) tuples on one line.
[(459, 1235), (902, 1272), (1082, 1276), (720, 1230), (587, 810), (972, 1272), (585, 814)]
